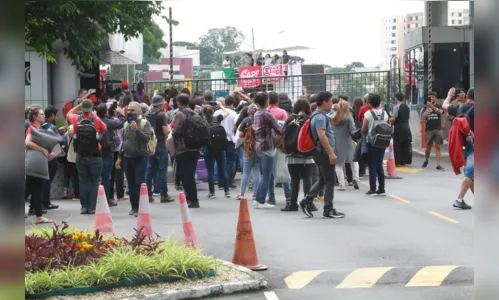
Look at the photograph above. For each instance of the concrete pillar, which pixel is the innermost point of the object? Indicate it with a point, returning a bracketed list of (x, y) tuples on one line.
[(472, 43), (65, 81), (439, 15)]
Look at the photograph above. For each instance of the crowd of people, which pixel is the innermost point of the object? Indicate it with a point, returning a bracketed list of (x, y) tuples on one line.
[(263, 134)]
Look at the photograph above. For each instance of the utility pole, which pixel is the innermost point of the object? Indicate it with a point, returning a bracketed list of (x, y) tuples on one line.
[(171, 48), (253, 37)]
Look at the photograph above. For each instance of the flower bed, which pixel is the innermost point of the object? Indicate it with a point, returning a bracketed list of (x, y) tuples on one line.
[(67, 261)]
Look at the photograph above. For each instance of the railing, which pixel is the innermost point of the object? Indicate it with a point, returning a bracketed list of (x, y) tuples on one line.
[(355, 84)]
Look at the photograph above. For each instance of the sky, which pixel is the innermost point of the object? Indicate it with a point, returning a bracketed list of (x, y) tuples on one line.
[(339, 31)]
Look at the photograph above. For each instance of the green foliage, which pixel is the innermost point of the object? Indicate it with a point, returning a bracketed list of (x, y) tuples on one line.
[(81, 26)]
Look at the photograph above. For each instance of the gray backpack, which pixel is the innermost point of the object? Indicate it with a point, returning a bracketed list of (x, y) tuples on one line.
[(381, 134)]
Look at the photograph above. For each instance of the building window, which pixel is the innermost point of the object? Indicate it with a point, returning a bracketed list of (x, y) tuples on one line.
[(460, 14), (393, 34), (460, 22), (394, 20), (393, 42), (394, 27), (452, 14), (453, 21)]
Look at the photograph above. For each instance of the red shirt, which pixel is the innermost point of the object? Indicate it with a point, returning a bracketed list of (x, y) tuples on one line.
[(363, 109), (99, 125), (279, 113), (28, 131)]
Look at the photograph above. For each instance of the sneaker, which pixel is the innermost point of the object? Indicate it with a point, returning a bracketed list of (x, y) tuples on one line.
[(211, 196), (124, 198), (83, 211), (227, 195), (305, 208), (156, 194), (166, 199), (290, 207), (221, 188), (370, 193), (76, 198), (112, 203), (255, 203), (233, 186), (91, 212), (239, 196), (333, 214), (151, 199), (254, 196), (440, 168), (51, 206), (341, 188), (250, 188), (193, 205), (271, 201), (179, 188), (313, 207), (355, 185), (461, 204), (132, 212), (380, 193), (425, 164), (264, 206)]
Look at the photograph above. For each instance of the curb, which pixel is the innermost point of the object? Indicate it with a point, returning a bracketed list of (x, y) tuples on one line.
[(258, 282)]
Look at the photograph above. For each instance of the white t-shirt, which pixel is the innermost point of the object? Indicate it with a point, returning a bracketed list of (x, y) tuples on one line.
[(268, 61), (226, 64), (228, 123), (380, 113)]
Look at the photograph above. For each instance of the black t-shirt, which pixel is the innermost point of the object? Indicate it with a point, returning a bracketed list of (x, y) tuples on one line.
[(454, 111), (434, 120), (248, 121), (242, 115), (158, 120)]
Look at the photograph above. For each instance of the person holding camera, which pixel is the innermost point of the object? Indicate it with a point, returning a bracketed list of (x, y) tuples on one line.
[(434, 134), (134, 154)]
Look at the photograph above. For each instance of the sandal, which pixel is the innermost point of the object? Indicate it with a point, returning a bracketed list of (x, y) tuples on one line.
[(44, 221)]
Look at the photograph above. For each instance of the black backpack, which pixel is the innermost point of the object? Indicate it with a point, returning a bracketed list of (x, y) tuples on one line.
[(381, 133), (196, 132), (291, 132), (85, 139), (218, 137), (107, 142)]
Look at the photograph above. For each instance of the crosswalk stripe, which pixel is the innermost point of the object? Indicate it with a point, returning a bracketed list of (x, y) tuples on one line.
[(443, 217), (300, 279), (400, 199), (430, 276), (363, 278), (270, 295)]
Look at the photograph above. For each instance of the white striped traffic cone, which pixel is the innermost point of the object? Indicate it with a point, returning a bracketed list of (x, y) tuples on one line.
[(144, 217), (189, 234), (391, 169), (103, 220)]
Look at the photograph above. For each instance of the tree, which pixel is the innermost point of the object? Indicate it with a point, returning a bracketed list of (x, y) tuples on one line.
[(351, 67), (217, 41), (81, 26)]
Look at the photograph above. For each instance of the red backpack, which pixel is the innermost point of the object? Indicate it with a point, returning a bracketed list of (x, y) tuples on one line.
[(306, 142), (68, 106)]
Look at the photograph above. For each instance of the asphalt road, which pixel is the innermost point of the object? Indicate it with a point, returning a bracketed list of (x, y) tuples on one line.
[(411, 244)]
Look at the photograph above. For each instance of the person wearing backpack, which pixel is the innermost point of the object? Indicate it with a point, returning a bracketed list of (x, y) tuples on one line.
[(378, 133), (190, 133), (320, 132), (463, 113), (134, 153), (108, 147), (87, 130), (217, 148), (157, 166), (300, 165)]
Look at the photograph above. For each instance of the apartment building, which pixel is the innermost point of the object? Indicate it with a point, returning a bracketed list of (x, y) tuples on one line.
[(392, 39), (413, 21), (459, 17)]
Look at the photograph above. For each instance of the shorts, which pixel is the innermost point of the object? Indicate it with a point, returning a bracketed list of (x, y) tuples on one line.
[(469, 158), (435, 136)]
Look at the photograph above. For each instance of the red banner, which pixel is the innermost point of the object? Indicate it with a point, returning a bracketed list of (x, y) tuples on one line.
[(409, 73), (247, 77), (273, 70)]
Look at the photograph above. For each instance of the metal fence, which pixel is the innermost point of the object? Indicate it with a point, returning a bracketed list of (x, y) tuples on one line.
[(355, 84)]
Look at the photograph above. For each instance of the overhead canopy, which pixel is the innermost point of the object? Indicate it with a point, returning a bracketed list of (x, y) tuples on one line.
[(292, 48)]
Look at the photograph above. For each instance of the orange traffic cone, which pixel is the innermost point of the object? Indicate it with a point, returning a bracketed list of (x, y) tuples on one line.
[(144, 218), (189, 234), (245, 249), (103, 220), (391, 169)]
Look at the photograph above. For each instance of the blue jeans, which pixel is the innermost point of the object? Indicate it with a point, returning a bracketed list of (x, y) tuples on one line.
[(469, 158), (249, 165), (89, 172), (210, 157), (376, 156), (231, 162), (266, 164), (157, 168), (107, 169), (285, 186), (135, 170)]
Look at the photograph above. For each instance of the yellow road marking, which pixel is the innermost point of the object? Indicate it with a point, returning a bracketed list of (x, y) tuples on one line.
[(408, 170), (300, 279), (363, 278), (400, 198), (430, 276), (442, 217)]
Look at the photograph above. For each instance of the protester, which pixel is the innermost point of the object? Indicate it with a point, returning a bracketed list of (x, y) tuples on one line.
[(432, 114), (324, 157), (264, 127), (117, 175), (465, 112), (134, 154), (87, 129), (285, 103), (157, 166), (228, 124), (402, 136)]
